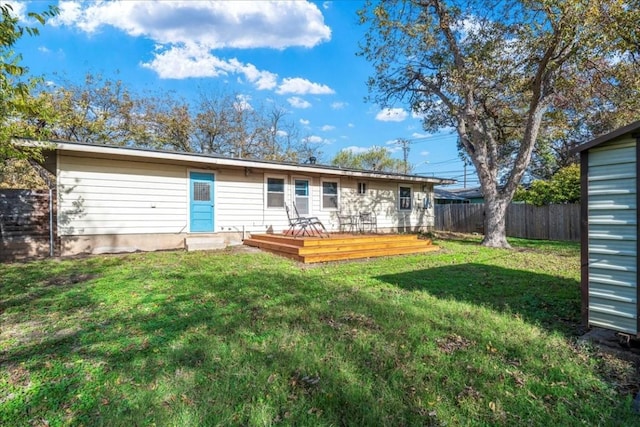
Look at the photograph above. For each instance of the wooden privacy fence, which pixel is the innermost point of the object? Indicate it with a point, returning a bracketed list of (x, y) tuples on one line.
[(27, 225), (552, 222)]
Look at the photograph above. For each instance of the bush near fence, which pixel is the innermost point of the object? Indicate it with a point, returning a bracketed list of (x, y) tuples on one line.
[(551, 222), (24, 223)]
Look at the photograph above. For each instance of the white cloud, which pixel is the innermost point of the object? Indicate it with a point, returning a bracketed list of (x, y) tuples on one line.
[(242, 103), (297, 102), (424, 153), (338, 105), (187, 61), (351, 125), (44, 49), (327, 128), (314, 139), (392, 115), (300, 86), (19, 10), (304, 122), (356, 150), (235, 24)]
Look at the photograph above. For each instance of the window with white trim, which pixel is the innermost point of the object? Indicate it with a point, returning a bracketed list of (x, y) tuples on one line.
[(362, 188), (404, 198), (275, 192), (329, 195)]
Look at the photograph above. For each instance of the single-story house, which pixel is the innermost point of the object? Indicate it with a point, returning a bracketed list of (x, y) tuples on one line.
[(120, 199), (609, 230)]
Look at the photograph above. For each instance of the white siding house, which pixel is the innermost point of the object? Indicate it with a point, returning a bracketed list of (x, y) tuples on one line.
[(116, 199), (609, 168)]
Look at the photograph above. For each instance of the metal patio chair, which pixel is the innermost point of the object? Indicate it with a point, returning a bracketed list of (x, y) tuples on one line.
[(347, 222), (314, 222), (367, 221)]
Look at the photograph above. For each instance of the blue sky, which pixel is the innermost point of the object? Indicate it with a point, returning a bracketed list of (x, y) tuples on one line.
[(300, 55)]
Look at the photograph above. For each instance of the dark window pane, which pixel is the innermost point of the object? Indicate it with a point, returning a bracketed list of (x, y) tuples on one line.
[(275, 185), (201, 191)]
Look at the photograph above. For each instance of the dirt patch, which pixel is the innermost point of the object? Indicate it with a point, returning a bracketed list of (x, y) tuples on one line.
[(618, 359)]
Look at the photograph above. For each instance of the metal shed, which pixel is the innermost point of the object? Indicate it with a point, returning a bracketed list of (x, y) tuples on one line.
[(609, 230)]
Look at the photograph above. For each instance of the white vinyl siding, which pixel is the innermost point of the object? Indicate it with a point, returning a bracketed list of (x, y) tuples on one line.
[(101, 196), (612, 219)]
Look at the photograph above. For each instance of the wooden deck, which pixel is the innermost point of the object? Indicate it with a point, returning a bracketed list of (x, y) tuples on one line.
[(338, 247)]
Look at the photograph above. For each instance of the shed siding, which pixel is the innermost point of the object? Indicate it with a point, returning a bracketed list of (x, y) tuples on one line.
[(98, 196), (612, 221)]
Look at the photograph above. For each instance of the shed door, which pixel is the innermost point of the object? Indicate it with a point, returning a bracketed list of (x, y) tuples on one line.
[(201, 202), (613, 236)]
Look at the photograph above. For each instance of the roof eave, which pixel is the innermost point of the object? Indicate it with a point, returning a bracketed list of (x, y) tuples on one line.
[(607, 137), (231, 162)]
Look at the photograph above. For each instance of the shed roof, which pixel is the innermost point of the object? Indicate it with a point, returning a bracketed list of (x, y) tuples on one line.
[(633, 127), (216, 160)]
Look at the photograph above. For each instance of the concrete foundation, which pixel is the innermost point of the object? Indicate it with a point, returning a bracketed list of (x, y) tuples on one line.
[(119, 243)]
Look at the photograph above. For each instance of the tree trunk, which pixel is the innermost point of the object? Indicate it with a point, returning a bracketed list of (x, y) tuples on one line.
[(495, 230)]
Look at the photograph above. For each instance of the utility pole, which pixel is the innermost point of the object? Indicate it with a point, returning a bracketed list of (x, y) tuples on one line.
[(465, 174), (405, 153)]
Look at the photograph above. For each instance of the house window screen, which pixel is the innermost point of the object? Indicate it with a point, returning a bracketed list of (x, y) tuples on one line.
[(362, 188), (330, 195), (201, 191), (405, 198), (275, 192), (302, 195)]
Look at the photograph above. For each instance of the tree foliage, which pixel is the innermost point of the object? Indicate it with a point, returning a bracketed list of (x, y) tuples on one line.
[(562, 187), (375, 159), (105, 111), (15, 87), (509, 76)]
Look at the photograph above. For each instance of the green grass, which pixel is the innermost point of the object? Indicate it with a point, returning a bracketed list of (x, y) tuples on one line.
[(464, 336)]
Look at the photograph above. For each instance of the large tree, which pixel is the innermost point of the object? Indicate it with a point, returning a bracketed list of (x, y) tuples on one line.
[(503, 74), (15, 100)]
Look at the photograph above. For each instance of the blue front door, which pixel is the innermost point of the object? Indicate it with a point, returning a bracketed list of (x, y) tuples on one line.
[(201, 202)]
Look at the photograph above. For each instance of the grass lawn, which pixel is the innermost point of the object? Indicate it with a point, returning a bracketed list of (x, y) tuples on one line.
[(463, 336)]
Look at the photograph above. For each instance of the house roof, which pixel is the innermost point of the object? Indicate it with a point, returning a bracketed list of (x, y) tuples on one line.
[(633, 127), (441, 194), (214, 160), (468, 193)]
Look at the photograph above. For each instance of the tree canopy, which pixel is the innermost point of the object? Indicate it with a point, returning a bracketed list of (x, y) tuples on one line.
[(562, 187), (511, 77), (375, 158), (16, 102)]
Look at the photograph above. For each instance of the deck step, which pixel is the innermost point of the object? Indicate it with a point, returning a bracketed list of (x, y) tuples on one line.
[(340, 246)]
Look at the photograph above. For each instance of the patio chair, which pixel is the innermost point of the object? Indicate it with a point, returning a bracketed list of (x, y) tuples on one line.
[(347, 222), (367, 221), (314, 222), (304, 226)]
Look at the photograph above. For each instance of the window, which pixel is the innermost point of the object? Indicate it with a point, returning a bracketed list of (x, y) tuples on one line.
[(362, 188), (275, 192), (301, 196), (405, 198), (329, 195)]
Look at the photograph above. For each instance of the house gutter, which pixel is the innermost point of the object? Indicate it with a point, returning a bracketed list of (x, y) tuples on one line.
[(229, 162)]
